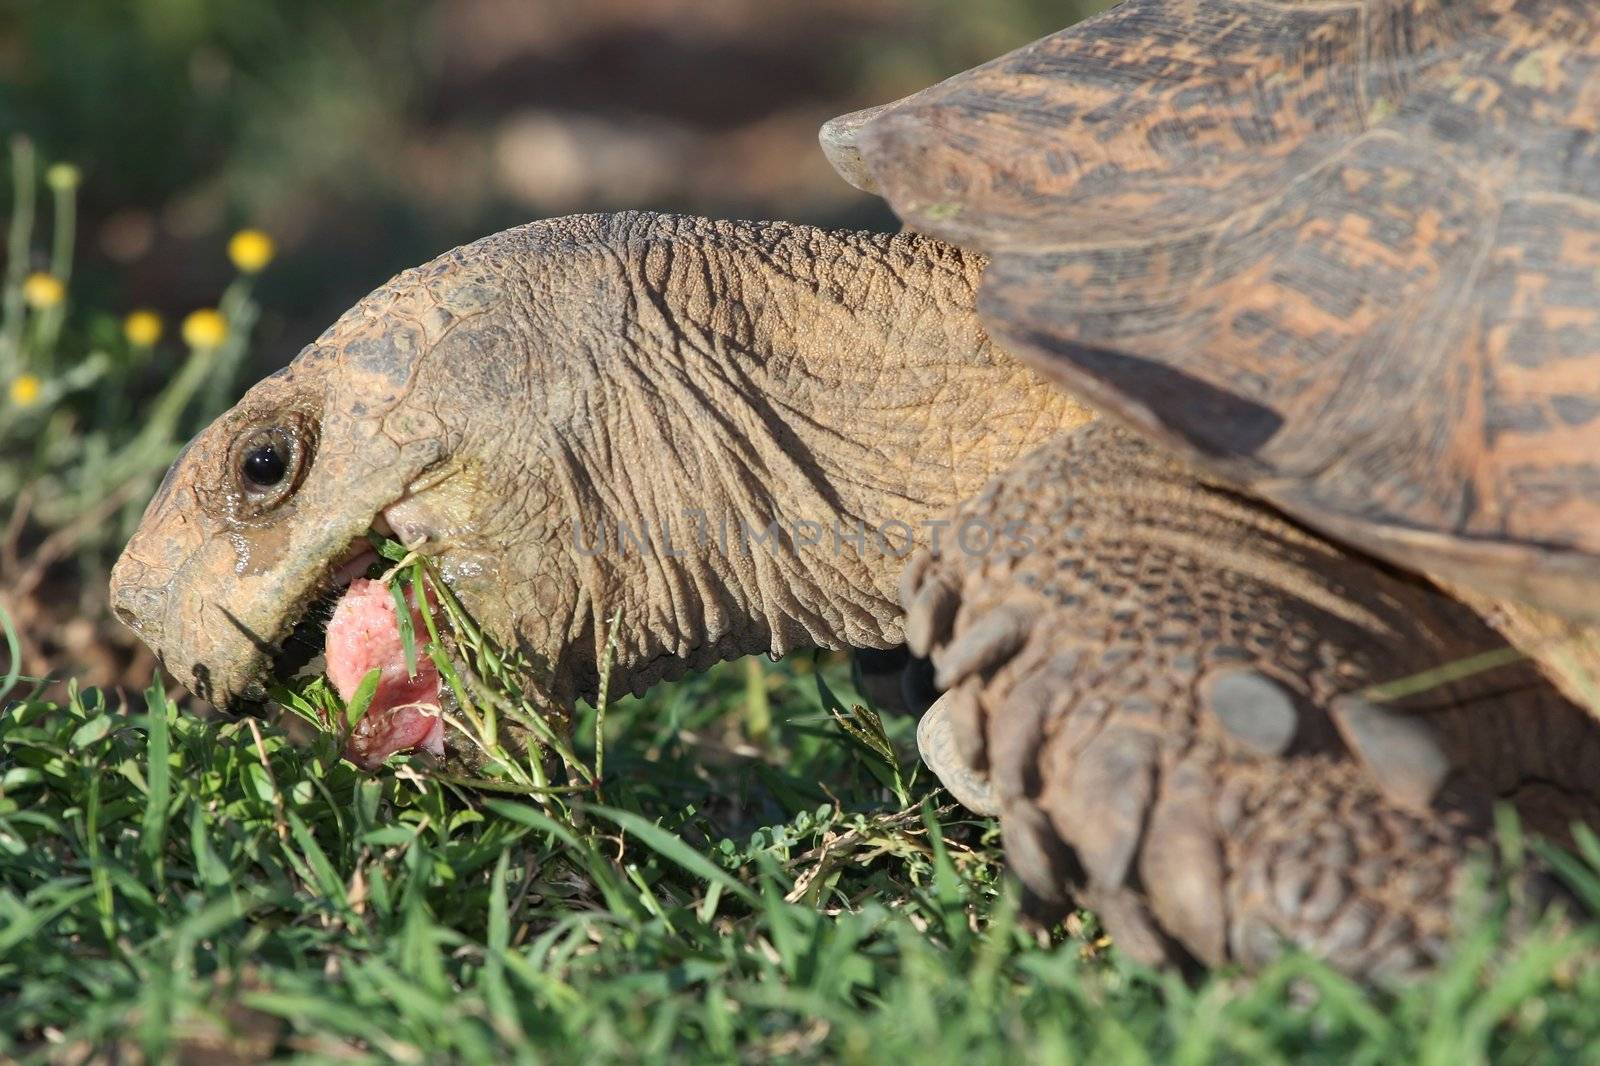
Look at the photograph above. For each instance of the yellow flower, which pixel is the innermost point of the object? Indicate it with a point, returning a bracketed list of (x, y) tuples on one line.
[(63, 176), (205, 328), (142, 328), (251, 250), (43, 290), (25, 390)]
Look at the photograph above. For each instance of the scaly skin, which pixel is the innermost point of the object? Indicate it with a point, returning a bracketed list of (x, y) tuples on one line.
[(508, 402), (1162, 699)]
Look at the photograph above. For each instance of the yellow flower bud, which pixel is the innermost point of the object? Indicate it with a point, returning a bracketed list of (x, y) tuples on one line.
[(142, 328), (251, 250), (25, 389), (62, 177), (43, 290), (205, 328)]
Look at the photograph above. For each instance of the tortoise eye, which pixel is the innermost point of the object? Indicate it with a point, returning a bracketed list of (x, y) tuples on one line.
[(265, 465)]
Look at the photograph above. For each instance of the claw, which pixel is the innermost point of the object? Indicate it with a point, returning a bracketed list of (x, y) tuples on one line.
[(1400, 750), (1038, 857), (912, 576), (1128, 921), (1018, 734), (965, 719), (1181, 865), (1254, 709), (1108, 794), (928, 616), (938, 749), (996, 637)]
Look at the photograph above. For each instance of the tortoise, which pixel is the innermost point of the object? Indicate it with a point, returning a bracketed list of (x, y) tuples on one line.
[(1237, 376)]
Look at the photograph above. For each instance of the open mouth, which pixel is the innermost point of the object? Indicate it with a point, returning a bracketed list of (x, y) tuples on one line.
[(301, 655), (351, 627)]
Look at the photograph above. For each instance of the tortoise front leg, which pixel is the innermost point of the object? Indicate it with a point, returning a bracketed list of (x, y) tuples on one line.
[(1158, 686)]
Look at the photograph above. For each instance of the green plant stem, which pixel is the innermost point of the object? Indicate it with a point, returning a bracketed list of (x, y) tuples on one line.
[(241, 313), (13, 312), (66, 230), (1428, 680), (160, 428), (13, 654), (757, 708), (65, 202)]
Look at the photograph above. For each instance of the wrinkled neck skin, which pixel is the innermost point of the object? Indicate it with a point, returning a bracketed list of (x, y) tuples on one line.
[(727, 435)]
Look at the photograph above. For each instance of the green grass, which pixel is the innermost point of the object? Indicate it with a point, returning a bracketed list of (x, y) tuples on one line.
[(188, 888)]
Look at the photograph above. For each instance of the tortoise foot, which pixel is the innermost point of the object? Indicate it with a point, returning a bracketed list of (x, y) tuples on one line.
[(1169, 702)]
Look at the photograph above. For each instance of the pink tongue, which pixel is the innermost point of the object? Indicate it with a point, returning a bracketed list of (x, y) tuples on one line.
[(363, 635)]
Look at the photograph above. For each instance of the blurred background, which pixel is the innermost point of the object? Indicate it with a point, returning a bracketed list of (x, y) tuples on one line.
[(349, 141)]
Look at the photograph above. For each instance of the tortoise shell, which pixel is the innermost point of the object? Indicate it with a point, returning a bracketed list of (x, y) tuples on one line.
[(1345, 256)]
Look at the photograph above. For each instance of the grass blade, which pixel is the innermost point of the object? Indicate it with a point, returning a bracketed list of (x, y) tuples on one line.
[(671, 847), (325, 880), (158, 780), (13, 654), (361, 698), (402, 615)]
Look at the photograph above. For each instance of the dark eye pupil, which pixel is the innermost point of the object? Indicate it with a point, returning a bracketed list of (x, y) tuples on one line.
[(265, 466)]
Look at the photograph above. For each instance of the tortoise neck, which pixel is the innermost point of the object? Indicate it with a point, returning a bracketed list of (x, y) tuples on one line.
[(790, 412)]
